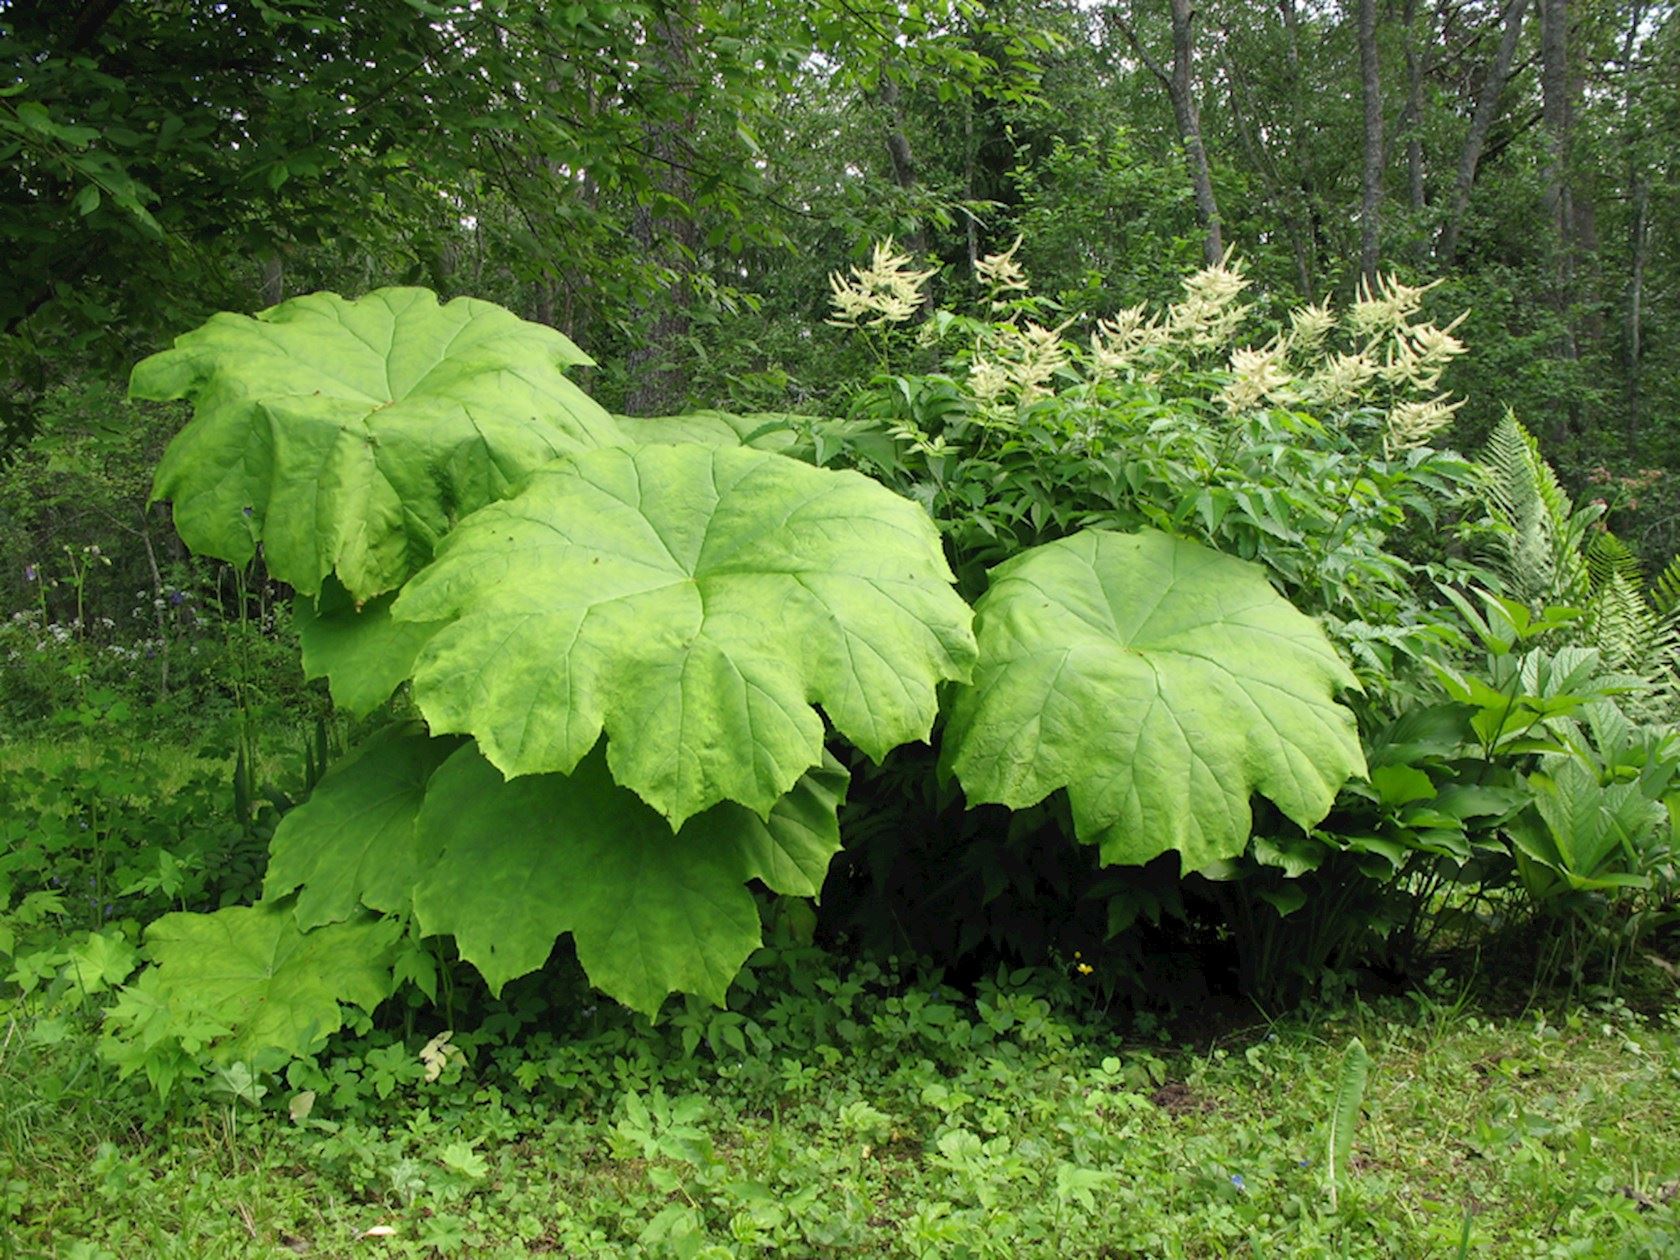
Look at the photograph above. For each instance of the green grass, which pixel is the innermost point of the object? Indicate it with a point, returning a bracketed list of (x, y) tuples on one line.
[(847, 1112)]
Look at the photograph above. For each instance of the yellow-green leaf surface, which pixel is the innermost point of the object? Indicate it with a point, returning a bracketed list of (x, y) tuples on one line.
[(362, 653), (277, 986), (509, 865), (696, 604), (347, 437), (765, 430), (1160, 683), (351, 844)]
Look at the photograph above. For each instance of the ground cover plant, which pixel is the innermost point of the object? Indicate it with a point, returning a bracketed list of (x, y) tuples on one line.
[(842, 1109)]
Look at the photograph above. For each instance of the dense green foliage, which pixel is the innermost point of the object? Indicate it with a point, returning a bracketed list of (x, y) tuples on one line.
[(1172, 503), (685, 605)]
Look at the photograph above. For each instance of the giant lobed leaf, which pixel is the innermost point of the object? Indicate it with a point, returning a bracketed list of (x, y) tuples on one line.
[(1161, 684), (359, 649), (695, 603), (347, 437), (765, 430), (276, 986), (509, 865), (351, 844)]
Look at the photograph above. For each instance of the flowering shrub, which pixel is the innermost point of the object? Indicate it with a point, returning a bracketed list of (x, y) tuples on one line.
[(631, 653), (1309, 448)]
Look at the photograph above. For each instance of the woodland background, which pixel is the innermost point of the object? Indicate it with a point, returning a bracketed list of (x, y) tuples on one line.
[(671, 183)]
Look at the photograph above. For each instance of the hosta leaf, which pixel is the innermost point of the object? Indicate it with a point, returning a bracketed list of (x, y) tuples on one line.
[(695, 603), (351, 844), (276, 986), (508, 865), (362, 652), (347, 437), (1161, 684)]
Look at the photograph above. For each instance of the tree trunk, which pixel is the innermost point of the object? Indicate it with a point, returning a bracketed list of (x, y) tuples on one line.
[(1370, 205), (1556, 207), (1189, 122), (657, 383), (1413, 124), (1481, 122), (1639, 228), (1640, 232), (1299, 139), (1181, 90)]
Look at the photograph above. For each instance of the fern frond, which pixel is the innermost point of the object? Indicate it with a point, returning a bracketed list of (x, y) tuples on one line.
[(1665, 591), (1609, 557), (1622, 626), (1546, 551)]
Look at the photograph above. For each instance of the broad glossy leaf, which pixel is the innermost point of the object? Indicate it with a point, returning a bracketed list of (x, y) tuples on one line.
[(347, 437), (509, 865), (277, 986), (1161, 684), (362, 652), (351, 844), (696, 604)]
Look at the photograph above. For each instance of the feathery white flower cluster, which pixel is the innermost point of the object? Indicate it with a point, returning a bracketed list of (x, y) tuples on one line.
[(1002, 275), (1258, 376), (1209, 314), (1017, 364), (1419, 353), (1120, 343), (1411, 424), (1310, 325), (888, 291), (1386, 306), (1015, 361)]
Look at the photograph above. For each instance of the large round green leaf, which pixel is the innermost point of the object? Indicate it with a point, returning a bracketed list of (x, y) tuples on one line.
[(351, 844), (695, 603), (252, 970), (347, 437), (1161, 684), (508, 865), (362, 653)]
